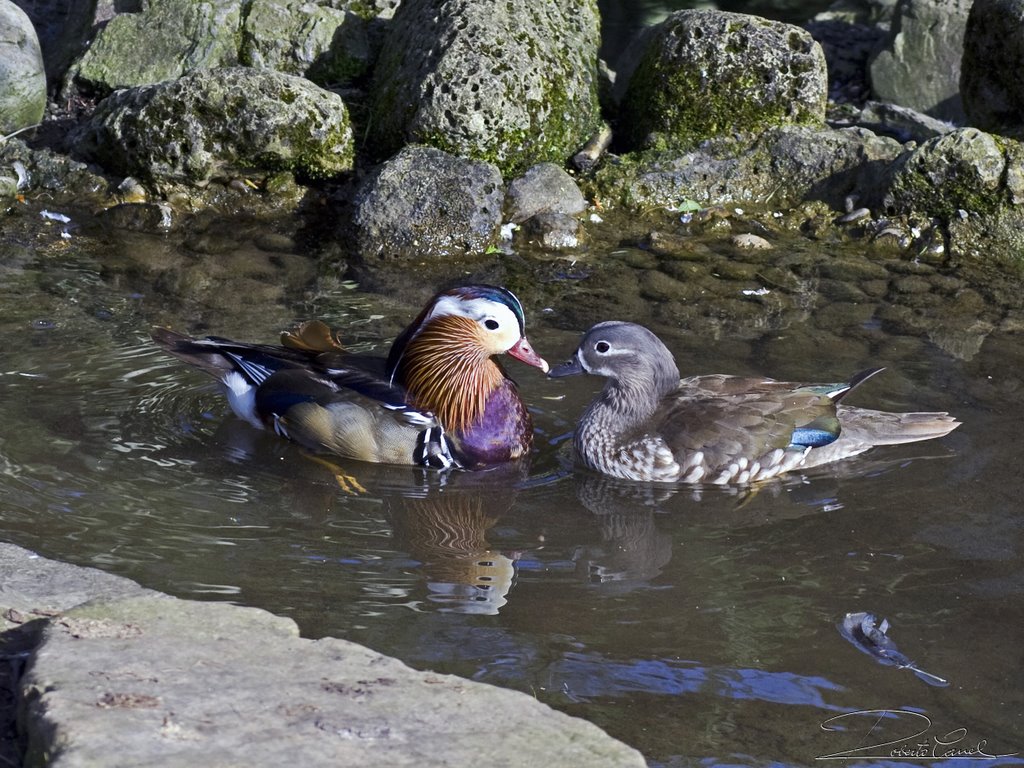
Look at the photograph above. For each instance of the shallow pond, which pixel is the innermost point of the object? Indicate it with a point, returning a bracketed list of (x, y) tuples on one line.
[(698, 625)]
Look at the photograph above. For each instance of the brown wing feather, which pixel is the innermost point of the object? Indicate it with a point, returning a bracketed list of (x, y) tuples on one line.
[(729, 417)]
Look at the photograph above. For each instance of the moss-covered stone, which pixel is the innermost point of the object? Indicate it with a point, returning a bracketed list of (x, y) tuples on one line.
[(325, 44), (218, 124), (163, 42), (951, 176), (711, 73), (510, 82), (785, 166)]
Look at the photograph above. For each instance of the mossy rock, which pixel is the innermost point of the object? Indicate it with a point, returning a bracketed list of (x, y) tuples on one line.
[(166, 40), (957, 174), (711, 73), (510, 82), (325, 44), (219, 124)]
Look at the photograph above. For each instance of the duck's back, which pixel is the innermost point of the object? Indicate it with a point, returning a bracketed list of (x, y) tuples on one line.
[(736, 429)]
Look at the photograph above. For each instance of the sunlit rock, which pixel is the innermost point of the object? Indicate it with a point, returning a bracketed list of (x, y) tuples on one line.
[(711, 73), (217, 124), (512, 83)]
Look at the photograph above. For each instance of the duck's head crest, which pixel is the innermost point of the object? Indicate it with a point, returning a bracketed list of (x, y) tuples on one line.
[(490, 317), (625, 353)]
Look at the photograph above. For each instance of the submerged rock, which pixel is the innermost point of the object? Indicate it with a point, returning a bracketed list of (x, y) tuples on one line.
[(711, 73), (511, 82), (219, 124)]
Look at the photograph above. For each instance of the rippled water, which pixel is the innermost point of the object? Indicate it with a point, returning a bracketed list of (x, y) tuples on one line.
[(698, 626)]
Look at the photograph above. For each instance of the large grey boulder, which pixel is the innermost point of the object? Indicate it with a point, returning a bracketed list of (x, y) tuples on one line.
[(784, 167), (120, 676), (511, 82), (919, 65), (168, 39), (218, 124), (425, 202), (150, 681), (328, 45), (991, 85), (22, 75), (710, 73)]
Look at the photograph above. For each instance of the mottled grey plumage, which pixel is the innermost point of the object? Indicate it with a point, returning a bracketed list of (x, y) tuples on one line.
[(649, 425)]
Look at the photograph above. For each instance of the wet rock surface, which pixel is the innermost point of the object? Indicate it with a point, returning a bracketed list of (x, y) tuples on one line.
[(118, 675), (427, 202)]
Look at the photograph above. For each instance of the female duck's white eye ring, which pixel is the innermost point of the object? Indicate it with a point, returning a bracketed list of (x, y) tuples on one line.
[(602, 347)]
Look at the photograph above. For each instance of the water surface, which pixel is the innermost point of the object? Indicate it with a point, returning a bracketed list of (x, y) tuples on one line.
[(698, 625)]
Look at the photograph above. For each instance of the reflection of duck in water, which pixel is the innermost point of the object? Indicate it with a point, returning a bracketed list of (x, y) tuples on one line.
[(649, 425), (446, 529), (632, 548)]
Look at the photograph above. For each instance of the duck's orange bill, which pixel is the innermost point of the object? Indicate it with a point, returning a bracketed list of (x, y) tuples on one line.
[(522, 351)]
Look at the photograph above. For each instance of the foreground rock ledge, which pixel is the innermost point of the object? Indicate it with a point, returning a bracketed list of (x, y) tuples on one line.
[(134, 677)]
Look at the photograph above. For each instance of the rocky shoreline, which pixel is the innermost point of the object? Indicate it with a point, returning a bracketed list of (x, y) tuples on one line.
[(328, 109)]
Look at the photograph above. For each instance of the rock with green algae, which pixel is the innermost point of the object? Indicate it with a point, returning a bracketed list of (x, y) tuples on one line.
[(972, 183), (328, 45), (711, 73), (966, 171), (166, 40), (219, 124), (511, 82), (783, 167)]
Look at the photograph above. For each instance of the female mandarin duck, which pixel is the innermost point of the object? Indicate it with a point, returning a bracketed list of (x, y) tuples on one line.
[(649, 425), (438, 400)]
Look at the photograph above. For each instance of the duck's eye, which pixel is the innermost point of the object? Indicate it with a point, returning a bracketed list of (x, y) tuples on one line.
[(491, 324), (602, 347)]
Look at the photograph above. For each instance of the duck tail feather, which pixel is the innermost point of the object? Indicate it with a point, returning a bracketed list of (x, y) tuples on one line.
[(884, 428)]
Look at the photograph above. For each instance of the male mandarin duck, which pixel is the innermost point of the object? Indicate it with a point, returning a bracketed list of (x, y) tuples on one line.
[(647, 424), (440, 399)]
